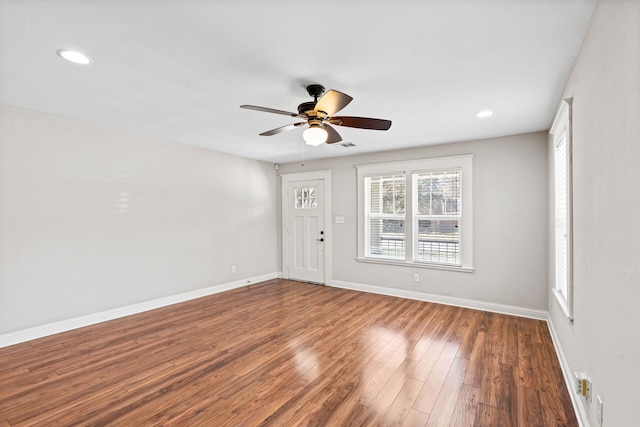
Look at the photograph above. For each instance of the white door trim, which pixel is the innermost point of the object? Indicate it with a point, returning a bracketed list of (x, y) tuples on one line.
[(324, 175)]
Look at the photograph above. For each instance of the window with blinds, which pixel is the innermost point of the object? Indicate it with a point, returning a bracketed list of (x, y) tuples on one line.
[(560, 171), (437, 210), (385, 216), (561, 137), (416, 212)]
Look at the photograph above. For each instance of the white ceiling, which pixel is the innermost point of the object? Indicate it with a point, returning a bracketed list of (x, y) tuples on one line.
[(179, 69)]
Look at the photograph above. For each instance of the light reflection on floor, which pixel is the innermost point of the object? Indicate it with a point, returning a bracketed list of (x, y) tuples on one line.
[(395, 363)]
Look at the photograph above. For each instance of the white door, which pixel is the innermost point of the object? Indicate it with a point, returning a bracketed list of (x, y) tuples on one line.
[(305, 230)]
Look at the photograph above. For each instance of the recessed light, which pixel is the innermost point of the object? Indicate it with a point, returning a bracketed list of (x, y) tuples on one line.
[(74, 56), (484, 113)]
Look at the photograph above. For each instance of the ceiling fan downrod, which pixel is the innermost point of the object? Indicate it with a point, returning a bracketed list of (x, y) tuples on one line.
[(316, 91)]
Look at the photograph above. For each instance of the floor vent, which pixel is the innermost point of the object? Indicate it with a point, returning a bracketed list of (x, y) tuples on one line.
[(347, 144)]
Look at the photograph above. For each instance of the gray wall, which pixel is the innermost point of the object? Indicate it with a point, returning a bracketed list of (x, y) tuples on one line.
[(94, 219), (510, 229), (604, 339)]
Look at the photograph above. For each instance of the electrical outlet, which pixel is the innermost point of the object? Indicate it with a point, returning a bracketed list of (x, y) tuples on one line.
[(599, 406), (583, 385), (233, 269), (416, 277)]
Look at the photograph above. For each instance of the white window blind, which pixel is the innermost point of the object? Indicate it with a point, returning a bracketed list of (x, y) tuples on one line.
[(561, 231), (385, 211), (437, 211), (561, 137)]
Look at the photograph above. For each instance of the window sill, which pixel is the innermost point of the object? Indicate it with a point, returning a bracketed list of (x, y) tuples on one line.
[(415, 264), (562, 302)]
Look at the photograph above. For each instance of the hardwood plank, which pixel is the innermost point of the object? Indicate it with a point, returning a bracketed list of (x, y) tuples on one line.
[(509, 334), (416, 419), (475, 369), (288, 353), (469, 329), (491, 383), (486, 416), (526, 354), (422, 369), (428, 395), (385, 398), (506, 394), (400, 408), (464, 412), (495, 342), (529, 411), (444, 406), (552, 411), (527, 373)]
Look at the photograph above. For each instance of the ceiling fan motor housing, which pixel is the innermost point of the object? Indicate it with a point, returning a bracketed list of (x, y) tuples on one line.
[(306, 107)]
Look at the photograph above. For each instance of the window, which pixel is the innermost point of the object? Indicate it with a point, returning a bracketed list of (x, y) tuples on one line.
[(437, 200), (561, 138), (306, 198), (385, 222), (417, 212)]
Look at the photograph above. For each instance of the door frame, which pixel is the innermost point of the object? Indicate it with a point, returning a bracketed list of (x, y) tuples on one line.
[(286, 179)]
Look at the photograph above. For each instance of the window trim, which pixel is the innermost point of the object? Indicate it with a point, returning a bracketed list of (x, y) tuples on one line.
[(562, 127), (409, 167)]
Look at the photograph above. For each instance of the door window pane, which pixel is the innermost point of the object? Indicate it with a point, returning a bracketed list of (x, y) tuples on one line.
[(306, 198)]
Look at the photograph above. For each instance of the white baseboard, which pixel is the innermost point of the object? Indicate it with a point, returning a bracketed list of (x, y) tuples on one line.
[(442, 299), (17, 337), (581, 415)]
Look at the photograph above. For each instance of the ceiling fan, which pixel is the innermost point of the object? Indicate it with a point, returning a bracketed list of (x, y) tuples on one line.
[(319, 116)]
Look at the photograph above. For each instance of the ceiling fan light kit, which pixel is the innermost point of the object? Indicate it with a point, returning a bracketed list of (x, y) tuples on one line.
[(315, 135), (318, 115)]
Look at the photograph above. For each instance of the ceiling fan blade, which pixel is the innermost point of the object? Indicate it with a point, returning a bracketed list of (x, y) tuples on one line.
[(282, 129), (332, 135), (332, 102), (269, 110), (361, 122)]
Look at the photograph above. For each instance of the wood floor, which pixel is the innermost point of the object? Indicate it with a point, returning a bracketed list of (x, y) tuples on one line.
[(283, 353)]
